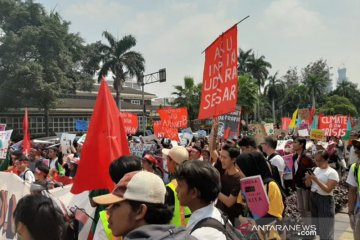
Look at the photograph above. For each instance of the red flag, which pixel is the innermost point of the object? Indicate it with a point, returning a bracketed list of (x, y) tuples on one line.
[(226, 133), (174, 117), (105, 141), (26, 140), (220, 78), (285, 122)]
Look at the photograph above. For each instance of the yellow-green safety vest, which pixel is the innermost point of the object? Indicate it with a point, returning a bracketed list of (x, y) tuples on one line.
[(181, 213), (104, 220), (358, 174)]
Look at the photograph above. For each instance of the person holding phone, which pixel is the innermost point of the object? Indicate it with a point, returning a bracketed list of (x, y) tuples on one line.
[(322, 181)]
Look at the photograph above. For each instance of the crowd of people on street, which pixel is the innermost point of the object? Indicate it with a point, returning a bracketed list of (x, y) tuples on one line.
[(193, 191)]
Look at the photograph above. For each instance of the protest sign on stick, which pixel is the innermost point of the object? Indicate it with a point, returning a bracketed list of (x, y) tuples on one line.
[(220, 78), (174, 117), (131, 123)]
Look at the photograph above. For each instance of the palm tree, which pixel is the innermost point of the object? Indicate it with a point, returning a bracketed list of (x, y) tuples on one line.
[(273, 91), (123, 62), (315, 84), (188, 96), (244, 59), (258, 68)]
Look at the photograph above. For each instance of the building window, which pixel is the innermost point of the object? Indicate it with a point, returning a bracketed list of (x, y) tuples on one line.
[(137, 102)]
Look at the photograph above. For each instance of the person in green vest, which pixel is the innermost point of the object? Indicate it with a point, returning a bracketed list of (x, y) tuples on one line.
[(176, 156), (118, 168), (353, 180)]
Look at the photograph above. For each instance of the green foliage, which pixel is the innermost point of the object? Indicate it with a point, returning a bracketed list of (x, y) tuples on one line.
[(349, 90), (247, 92), (338, 105), (188, 96)]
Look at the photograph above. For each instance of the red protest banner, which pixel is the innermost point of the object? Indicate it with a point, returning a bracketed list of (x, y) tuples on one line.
[(131, 123), (333, 125), (162, 131), (219, 89), (174, 117)]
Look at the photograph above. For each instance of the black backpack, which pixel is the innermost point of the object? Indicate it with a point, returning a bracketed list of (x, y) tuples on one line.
[(227, 229)]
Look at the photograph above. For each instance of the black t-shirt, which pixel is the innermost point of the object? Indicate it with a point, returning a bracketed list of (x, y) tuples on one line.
[(230, 185)]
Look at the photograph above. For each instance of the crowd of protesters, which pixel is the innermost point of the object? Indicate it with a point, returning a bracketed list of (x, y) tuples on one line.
[(194, 191)]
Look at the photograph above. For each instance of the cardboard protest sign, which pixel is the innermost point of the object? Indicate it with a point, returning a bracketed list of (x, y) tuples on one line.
[(230, 122), (317, 134), (2, 127), (66, 142), (138, 149), (4, 142), (220, 78), (289, 163), (162, 131), (333, 125), (255, 196), (131, 123), (269, 128), (81, 125), (257, 131), (174, 117)]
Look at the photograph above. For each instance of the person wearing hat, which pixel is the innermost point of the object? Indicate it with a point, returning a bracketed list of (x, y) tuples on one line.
[(137, 209), (25, 173), (175, 157), (353, 180), (150, 164)]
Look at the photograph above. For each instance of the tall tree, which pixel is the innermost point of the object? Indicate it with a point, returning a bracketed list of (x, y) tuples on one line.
[(316, 77), (118, 57), (39, 59), (247, 94), (291, 77), (274, 90), (244, 59), (349, 90), (338, 105), (188, 96), (259, 69)]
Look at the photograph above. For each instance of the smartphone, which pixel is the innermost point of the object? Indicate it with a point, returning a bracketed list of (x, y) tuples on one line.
[(310, 170)]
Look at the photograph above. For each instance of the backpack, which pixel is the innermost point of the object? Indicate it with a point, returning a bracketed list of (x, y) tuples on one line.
[(283, 195), (178, 233), (275, 175), (227, 229)]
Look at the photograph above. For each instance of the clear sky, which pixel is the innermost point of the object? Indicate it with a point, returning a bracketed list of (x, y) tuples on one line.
[(172, 34)]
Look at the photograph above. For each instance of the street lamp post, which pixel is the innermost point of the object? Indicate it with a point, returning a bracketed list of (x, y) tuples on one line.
[(159, 76)]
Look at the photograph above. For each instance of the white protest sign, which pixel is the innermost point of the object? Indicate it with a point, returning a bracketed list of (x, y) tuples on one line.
[(66, 142), (12, 188), (303, 132), (4, 142), (138, 149), (82, 139)]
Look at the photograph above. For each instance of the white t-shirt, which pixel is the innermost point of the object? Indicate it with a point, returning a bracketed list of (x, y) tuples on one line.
[(52, 163), (205, 233), (100, 233), (324, 175), (279, 163), (27, 176)]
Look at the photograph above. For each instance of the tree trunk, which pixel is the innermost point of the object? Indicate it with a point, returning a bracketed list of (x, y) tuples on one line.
[(313, 98), (46, 121), (118, 99), (273, 110)]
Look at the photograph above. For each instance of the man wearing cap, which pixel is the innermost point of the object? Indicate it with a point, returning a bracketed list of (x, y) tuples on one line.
[(353, 180), (137, 209), (175, 157), (25, 173)]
